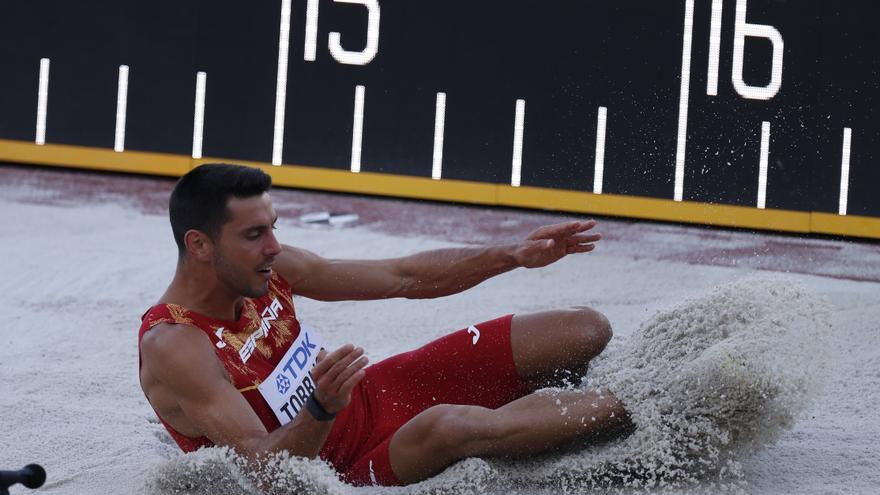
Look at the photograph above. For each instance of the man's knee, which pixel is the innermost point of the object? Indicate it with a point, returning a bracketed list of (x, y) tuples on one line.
[(555, 347), (592, 330)]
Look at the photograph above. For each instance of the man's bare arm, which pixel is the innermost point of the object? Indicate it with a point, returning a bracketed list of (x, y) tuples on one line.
[(182, 361), (429, 274)]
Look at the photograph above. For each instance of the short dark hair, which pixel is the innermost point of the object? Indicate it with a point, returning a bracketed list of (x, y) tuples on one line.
[(199, 200)]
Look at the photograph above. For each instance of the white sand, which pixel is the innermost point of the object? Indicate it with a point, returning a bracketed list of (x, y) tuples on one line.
[(75, 280)]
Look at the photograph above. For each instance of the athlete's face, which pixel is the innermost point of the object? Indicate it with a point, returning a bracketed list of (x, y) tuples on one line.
[(247, 247)]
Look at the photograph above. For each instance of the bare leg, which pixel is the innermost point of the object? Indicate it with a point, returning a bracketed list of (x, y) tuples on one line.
[(533, 424), (551, 348)]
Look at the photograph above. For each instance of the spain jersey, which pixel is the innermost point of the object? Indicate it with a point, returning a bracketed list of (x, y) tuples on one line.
[(249, 348)]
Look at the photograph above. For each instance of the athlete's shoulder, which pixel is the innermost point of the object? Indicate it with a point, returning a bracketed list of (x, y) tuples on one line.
[(173, 347), (165, 313), (170, 337)]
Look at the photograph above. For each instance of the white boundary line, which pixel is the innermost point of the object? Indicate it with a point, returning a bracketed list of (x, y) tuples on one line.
[(714, 47), (281, 84), (762, 166), (599, 171), (121, 104), (439, 125), (518, 129), (683, 98), (42, 102), (357, 131), (199, 115), (844, 169)]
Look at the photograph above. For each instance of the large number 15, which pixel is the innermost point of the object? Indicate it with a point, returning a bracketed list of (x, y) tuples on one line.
[(334, 43), (742, 29)]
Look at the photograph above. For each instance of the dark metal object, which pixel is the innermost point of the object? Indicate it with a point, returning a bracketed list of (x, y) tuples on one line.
[(31, 476)]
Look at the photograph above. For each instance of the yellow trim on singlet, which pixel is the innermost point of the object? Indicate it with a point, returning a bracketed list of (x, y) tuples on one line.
[(248, 389)]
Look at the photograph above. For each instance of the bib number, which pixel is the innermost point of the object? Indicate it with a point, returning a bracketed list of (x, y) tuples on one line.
[(290, 384)]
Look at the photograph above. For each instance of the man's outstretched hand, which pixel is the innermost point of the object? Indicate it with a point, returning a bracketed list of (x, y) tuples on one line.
[(336, 375), (551, 243)]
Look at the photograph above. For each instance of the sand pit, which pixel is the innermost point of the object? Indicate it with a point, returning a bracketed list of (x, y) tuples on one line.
[(761, 382)]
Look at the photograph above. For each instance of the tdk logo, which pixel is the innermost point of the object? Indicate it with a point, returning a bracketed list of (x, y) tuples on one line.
[(298, 364), (282, 383), (300, 358)]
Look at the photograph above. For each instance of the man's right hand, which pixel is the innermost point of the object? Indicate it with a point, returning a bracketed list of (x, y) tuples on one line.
[(550, 243), (336, 375)]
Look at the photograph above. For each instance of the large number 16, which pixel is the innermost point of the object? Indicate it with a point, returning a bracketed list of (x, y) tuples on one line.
[(741, 30)]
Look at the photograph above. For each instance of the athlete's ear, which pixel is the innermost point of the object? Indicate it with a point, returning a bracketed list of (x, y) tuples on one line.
[(198, 245)]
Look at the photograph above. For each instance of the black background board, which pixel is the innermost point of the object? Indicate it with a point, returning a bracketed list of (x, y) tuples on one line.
[(85, 41), (849, 78), (237, 47), (565, 58)]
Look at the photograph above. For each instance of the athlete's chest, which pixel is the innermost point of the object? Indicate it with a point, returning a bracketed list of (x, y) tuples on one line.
[(251, 347)]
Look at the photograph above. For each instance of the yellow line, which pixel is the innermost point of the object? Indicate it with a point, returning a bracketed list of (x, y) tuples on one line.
[(373, 183), (305, 177), (654, 209), (63, 155), (848, 225)]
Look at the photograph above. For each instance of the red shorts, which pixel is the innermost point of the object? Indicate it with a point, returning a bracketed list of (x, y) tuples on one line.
[(466, 367)]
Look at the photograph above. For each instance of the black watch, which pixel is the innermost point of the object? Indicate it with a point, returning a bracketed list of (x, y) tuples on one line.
[(317, 410)]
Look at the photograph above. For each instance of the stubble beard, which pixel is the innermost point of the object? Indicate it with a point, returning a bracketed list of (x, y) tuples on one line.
[(236, 278)]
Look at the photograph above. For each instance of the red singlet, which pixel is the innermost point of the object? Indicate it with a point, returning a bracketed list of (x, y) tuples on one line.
[(471, 366)]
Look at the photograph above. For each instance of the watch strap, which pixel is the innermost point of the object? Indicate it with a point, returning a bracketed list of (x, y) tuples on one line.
[(317, 410)]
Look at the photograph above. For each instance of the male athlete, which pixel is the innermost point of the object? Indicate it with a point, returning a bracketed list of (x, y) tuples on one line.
[(224, 360)]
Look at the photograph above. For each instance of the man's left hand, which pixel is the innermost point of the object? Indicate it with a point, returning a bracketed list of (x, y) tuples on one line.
[(551, 243)]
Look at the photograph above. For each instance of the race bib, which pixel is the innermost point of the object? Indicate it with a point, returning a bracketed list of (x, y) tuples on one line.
[(290, 384)]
